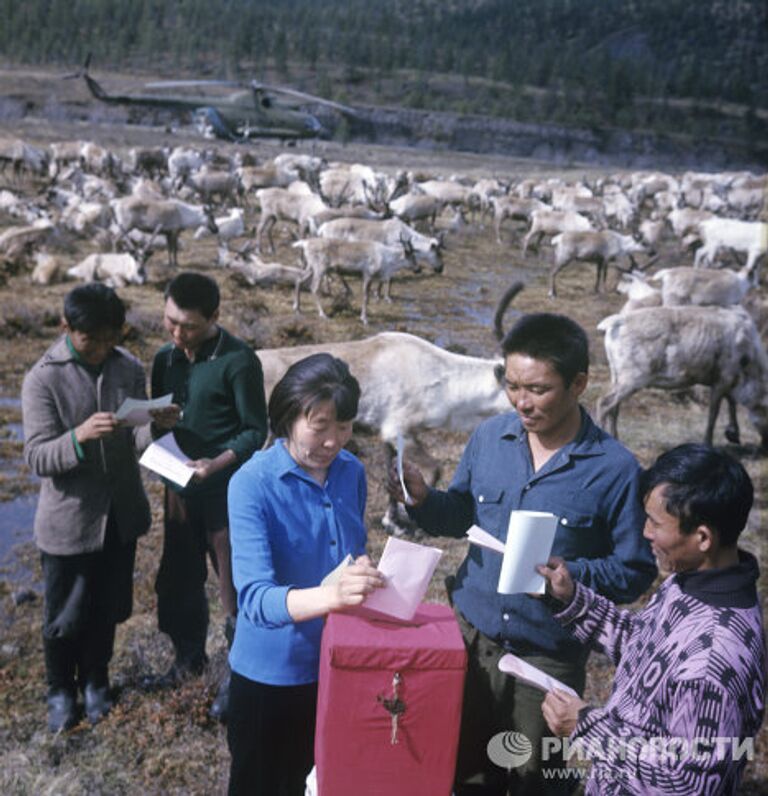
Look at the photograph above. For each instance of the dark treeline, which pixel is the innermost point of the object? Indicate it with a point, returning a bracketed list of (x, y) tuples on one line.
[(601, 58)]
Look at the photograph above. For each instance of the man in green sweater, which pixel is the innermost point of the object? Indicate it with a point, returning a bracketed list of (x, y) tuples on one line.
[(217, 381)]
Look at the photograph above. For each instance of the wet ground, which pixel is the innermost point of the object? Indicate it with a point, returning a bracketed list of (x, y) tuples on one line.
[(164, 743)]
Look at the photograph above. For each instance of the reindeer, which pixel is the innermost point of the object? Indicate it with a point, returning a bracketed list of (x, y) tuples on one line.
[(168, 216)]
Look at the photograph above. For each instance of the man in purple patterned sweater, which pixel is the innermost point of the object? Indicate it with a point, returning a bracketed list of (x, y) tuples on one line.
[(688, 693)]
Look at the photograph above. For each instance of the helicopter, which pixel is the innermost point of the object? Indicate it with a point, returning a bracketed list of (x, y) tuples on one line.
[(252, 110)]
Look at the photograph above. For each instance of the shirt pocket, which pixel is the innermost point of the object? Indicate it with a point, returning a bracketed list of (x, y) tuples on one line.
[(577, 531), (490, 510)]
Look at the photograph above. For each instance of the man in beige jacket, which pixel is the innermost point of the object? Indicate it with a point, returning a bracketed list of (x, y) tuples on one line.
[(92, 503)]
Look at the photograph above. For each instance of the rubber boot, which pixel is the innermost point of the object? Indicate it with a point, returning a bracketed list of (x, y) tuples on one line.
[(220, 705), (60, 667)]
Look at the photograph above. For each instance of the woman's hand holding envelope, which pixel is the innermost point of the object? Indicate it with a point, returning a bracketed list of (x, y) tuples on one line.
[(355, 583), (348, 586)]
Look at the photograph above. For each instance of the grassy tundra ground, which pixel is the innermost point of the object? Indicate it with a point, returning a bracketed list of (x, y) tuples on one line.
[(164, 742)]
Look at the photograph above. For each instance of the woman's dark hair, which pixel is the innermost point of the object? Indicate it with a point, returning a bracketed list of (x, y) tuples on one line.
[(702, 486), (193, 291), (553, 338), (94, 306), (308, 382)]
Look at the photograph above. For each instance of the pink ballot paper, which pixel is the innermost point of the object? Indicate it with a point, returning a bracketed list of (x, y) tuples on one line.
[(408, 568), (511, 664)]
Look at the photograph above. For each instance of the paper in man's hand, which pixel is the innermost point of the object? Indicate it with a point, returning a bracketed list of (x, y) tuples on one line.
[(529, 544), (511, 664), (478, 536), (133, 412), (166, 458), (400, 474)]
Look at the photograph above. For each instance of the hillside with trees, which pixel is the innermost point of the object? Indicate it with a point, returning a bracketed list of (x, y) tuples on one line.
[(652, 65)]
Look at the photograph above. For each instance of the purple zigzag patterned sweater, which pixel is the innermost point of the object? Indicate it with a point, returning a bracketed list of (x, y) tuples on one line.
[(690, 667)]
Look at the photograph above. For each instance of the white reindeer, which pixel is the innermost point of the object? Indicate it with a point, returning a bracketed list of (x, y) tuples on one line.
[(597, 247), (675, 348), (168, 217), (368, 259)]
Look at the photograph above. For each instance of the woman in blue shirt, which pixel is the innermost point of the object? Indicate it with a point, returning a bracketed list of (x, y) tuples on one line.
[(296, 511)]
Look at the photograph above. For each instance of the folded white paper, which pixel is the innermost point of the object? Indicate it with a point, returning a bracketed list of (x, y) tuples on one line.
[(133, 412), (310, 786), (400, 450), (478, 536), (166, 458), (529, 543), (511, 664), (408, 568)]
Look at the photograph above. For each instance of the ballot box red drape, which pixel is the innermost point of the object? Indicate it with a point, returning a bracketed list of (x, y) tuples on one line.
[(389, 704)]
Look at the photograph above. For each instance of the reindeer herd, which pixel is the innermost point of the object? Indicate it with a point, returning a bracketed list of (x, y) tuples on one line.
[(694, 324)]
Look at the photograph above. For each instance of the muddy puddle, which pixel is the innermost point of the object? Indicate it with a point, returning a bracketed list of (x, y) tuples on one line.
[(19, 493)]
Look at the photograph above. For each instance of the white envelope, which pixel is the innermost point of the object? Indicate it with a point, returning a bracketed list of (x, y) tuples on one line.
[(166, 458), (511, 664), (529, 543), (408, 568), (133, 412)]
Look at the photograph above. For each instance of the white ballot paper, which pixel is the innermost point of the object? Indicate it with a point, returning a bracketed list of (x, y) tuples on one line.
[(511, 664), (334, 575), (408, 568), (400, 450), (478, 536), (133, 412), (166, 458), (529, 542)]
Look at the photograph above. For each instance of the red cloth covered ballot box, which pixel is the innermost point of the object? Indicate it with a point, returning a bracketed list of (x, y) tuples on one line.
[(389, 704)]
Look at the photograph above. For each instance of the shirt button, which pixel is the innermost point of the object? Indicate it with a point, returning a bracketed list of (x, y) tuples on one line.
[(327, 504), (505, 617), (526, 487), (481, 499), (333, 542)]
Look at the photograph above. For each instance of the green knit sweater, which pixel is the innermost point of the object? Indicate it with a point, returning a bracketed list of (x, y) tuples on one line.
[(221, 394)]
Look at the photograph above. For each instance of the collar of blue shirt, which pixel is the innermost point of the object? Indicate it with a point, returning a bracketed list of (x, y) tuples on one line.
[(588, 442), (286, 464)]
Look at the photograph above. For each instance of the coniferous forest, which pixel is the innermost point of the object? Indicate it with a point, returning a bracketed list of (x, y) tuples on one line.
[(630, 63)]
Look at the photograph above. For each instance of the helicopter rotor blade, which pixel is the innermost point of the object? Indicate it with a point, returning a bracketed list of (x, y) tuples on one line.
[(259, 87), (185, 83), (79, 72)]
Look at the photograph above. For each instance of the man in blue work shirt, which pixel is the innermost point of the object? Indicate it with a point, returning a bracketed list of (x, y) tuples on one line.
[(548, 455)]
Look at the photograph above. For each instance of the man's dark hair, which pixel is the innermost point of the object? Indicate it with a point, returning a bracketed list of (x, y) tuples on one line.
[(702, 486), (193, 291), (88, 308), (553, 338), (308, 382)]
